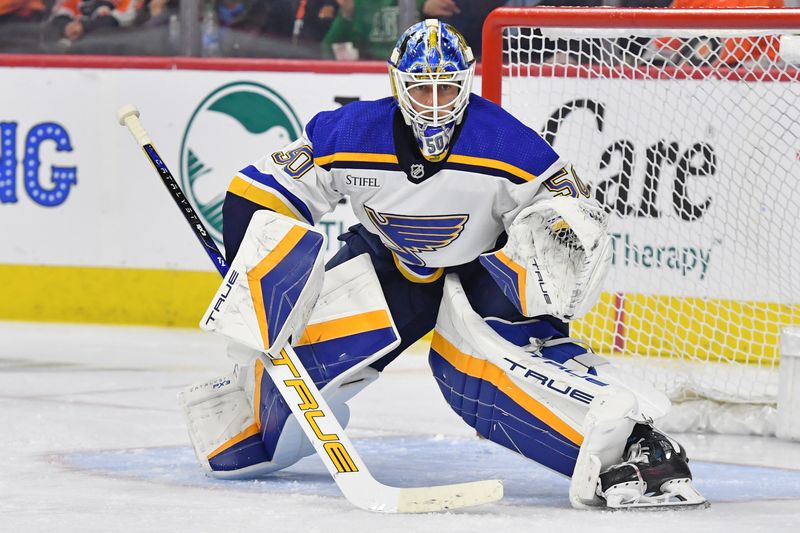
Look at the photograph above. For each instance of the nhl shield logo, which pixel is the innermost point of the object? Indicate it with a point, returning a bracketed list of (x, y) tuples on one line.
[(417, 171)]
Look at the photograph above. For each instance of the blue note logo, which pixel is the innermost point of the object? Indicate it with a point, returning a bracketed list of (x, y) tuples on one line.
[(410, 235), (234, 125)]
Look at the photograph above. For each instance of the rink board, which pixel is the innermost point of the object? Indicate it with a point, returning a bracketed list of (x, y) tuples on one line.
[(94, 238)]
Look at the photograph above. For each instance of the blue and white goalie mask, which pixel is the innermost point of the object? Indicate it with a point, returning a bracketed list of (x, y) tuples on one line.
[(431, 70)]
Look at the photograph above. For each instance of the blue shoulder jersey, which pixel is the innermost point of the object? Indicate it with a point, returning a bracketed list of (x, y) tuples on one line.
[(430, 215)]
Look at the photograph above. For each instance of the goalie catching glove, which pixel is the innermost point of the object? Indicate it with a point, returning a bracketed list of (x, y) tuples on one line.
[(557, 255)]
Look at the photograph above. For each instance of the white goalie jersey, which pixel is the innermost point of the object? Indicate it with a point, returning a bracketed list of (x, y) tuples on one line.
[(430, 215)]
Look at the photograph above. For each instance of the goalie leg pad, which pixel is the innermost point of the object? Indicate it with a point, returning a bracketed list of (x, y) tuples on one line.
[(533, 399), (529, 403), (349, 329), (272, 284), (501, 411), (221, 425)]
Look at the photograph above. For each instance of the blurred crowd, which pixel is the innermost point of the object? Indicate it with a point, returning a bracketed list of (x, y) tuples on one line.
[(322, 29)]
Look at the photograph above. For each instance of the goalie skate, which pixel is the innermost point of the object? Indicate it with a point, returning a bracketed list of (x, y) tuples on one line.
[(655, 474)]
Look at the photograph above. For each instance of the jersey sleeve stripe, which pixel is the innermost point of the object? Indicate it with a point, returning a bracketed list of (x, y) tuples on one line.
[(491, 164), (264, 198), (270, 181), (355, 156)]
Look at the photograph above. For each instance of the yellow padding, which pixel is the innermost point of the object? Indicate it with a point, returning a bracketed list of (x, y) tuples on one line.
[(482, 369), (259, 375), (249, 431), (342, 327), (105, 295)]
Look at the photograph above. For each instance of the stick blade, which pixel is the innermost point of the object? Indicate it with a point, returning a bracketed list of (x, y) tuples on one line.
[(445, 497)]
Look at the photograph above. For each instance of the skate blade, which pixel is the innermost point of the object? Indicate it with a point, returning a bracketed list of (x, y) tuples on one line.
[(677, 495)]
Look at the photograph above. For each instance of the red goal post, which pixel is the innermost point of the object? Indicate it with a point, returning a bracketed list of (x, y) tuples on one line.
[(687, 124)]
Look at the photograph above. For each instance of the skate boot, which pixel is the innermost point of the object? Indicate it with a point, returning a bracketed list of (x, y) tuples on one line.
[(655, 474)]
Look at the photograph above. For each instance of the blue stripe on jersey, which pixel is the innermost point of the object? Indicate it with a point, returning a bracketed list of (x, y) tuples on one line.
[(491, 132), (356, 127), (500, 173), (366, 165), (270, 181)]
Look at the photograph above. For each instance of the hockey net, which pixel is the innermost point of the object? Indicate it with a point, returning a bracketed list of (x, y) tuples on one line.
[(687, 125)]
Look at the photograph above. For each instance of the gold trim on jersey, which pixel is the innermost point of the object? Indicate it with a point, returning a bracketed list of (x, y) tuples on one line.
[(413, 277), (355, 156), (492, 163), (249, 191)]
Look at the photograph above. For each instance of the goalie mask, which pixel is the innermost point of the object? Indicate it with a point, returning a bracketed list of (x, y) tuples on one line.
[(431, 69)]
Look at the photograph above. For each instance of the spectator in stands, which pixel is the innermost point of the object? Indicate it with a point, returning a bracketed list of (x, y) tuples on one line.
[(156, 13), (260, 28), (153, 34), (316, 17), (362, 29), (73, 20), (19, 24), (466, 16), (630, 50), (731, 51), (533, 47)]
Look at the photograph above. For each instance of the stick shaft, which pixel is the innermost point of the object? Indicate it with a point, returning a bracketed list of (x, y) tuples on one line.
[(340, 457), (198, 228)]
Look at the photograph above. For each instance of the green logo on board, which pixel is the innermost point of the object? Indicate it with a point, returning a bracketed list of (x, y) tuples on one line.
[(233, 126)]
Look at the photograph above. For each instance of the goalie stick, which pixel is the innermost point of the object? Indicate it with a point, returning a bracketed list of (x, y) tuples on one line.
[(307, 403)]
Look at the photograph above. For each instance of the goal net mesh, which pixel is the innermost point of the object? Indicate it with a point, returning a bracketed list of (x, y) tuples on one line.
[(691, 140)]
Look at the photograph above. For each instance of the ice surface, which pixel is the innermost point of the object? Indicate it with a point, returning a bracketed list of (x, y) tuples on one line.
[(92, 440)]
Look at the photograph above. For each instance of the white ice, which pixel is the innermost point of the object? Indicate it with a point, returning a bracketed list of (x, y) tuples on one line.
[(92, 440)]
